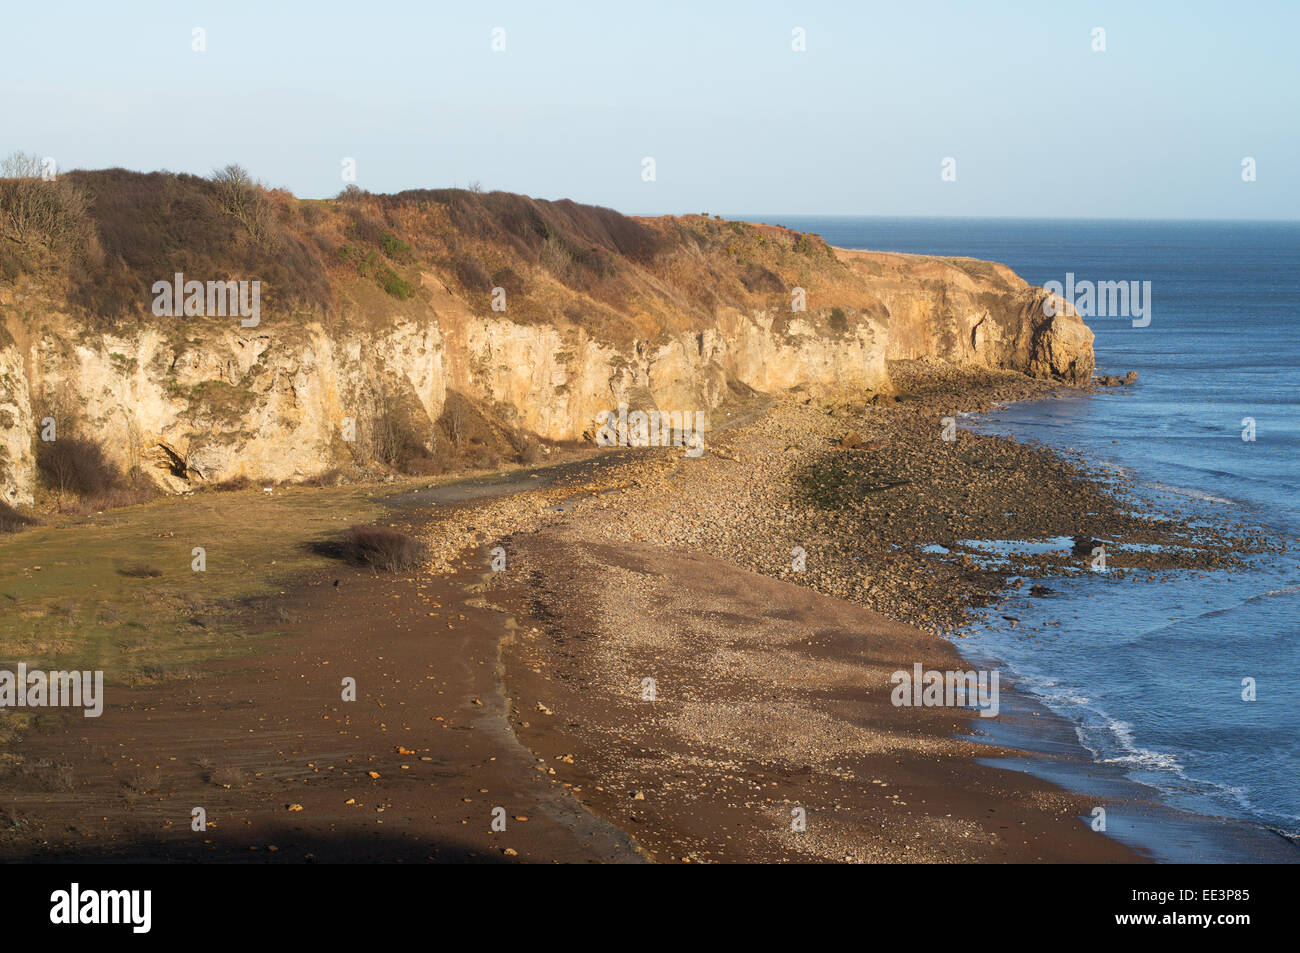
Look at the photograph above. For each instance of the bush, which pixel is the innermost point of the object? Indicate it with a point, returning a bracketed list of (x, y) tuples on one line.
[(395, 248), (369, 265), (243, 200), (381, 548), (422, 466), (149, 226), (34, 210), (231, 484), (11, 521), (77, 466), (530, 453), (11, 265), (395, 284)]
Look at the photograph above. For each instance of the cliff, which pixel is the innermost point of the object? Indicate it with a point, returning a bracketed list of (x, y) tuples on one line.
[(384, 321)]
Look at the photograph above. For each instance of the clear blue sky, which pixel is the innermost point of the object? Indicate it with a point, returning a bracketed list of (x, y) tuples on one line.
[(737, 122)]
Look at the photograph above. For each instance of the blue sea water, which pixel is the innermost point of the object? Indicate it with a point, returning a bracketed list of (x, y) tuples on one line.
[(1151, 673)]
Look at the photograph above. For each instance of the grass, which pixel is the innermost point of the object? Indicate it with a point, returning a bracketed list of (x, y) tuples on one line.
[(117, 591), (838, 482), (141, 571)]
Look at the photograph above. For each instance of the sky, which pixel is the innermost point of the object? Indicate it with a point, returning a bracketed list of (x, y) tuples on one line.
[(737, 121)]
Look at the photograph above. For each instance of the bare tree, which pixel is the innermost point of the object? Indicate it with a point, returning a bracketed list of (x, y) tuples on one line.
[(242, 200), (33, 209), (456, 420), (387, 435), (134, 448)]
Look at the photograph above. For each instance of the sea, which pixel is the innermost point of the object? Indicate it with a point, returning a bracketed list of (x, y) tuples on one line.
[(1187, 690)]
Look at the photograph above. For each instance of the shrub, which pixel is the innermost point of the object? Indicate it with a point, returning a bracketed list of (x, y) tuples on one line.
[(243, 200), (758, 279), (472, 275), (11, 521), (135, 489), (36, 211), (370, 265), (149, 226), (77, 466), (11, 265), (331, 477), (395, 284), (530, 453), (231, 484), (423, 466), (381, 548), (395, 248)]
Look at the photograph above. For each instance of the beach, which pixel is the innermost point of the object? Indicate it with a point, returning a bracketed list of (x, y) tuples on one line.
[(621, 651)]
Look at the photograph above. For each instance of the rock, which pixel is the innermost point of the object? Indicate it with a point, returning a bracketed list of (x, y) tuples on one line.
[(1060, 346), (1084, 545)]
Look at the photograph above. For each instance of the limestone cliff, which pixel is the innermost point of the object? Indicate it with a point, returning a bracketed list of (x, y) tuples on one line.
[(377, 308)]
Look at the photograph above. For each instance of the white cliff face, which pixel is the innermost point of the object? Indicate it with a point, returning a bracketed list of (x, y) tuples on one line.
[(776, 353), (558, 381), (230, 402), (17, 462), (203, 401)]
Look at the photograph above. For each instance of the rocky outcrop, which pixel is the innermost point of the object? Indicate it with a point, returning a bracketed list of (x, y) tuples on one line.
[(195, 400), (975, 312)]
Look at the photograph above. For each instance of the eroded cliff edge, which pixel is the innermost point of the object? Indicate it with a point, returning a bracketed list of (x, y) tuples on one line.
[(392, 312)]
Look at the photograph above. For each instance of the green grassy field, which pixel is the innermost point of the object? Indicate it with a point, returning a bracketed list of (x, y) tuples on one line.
[(117, 591)]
